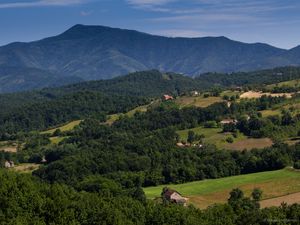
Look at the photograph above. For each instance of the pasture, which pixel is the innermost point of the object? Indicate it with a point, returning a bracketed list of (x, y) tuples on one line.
[(290, 83), (217, 137), (67, 127), (256, 94), (207, 192), (198, 101), (249, 143), (57, 140)]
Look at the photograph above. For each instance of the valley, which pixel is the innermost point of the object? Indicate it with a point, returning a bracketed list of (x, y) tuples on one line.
[(119, 137), (149, 112)]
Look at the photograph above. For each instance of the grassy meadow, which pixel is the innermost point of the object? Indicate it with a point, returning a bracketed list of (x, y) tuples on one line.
[(66, 127), (207, 192)]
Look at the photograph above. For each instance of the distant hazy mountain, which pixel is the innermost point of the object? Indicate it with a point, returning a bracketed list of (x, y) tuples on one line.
[(22, 78), (97, 52)]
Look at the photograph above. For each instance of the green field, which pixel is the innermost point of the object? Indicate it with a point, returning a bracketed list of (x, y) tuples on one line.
[(56, 140), (143, 108), (270, 112), (25, 167), (290, 83), (212, 135), (198, 101), (66, 127), (206, 192)]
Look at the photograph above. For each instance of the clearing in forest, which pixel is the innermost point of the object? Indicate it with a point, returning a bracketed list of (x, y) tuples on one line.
[(66, 127), (198, 101)]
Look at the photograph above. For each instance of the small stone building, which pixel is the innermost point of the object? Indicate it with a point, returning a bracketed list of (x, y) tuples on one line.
[(173, 196)]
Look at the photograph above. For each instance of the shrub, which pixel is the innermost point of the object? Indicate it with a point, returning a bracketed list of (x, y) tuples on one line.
[(229, 140), (297, 165)]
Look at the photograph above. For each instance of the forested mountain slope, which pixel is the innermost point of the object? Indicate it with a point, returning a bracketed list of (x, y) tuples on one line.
[(52, 106), (99, 52)]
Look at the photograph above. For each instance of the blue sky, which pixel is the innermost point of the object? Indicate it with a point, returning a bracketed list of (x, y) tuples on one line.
[(276, 22)]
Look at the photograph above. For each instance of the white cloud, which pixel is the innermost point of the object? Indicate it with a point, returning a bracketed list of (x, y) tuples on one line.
[(151, 5), (86, 13), (41, 3), (149, 2), (206, 17)]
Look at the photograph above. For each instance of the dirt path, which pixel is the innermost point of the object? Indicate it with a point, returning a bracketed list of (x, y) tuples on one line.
[(289, 199)]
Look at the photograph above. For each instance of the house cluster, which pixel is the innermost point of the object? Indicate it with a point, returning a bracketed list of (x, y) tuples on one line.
[(182, 145), (9, 164), (173, 196), (228, 121)]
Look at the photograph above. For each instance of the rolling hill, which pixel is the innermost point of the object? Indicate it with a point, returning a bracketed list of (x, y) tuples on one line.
[(99, 52)]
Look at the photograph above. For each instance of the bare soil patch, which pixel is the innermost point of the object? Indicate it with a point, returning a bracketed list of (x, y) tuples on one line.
[(256, 94), (9, 149), (289, 199), (250, 143)]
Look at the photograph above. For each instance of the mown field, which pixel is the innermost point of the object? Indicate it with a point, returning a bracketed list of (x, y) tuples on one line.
[(56, 140), (198, 101), (112, 118), (65, 127), (26, 167), (207, 192), (217, 137), (290, 83)]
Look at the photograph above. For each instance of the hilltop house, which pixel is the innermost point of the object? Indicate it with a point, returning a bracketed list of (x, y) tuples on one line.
[(168, 97), (173, 196)]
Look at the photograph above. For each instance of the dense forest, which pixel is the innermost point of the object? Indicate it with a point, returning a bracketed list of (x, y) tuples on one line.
[(50, 107), (96, 173), (25, 200)]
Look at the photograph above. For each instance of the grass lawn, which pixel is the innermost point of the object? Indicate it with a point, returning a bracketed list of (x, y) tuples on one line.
[(207, 192), (66, 127)]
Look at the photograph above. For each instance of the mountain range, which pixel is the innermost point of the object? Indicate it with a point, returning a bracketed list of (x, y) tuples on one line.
[(99, 52)]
